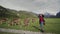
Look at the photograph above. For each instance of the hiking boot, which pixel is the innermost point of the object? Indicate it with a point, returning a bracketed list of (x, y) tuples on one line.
[(42, 30)]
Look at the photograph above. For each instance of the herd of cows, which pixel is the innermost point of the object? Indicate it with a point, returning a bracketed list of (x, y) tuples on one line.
[(16, 21)]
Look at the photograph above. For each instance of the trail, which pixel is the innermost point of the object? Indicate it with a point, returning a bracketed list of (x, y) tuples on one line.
[(20, 31)]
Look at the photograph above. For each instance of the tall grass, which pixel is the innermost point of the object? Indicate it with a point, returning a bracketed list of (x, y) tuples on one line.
[(52, 25)]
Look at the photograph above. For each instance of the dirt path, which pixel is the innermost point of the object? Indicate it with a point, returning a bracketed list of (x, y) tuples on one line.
[(20, 31)]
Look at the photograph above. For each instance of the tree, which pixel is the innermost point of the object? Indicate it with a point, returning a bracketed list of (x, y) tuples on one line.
[(3, 11)]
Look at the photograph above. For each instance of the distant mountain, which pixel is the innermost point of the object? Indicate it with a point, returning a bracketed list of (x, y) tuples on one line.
[(58, 15), (48, 15)]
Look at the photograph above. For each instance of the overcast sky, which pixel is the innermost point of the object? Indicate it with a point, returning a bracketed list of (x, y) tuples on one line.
[(37, 6)]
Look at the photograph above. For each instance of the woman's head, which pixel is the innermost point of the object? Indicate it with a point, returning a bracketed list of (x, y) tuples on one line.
[(41, 15)]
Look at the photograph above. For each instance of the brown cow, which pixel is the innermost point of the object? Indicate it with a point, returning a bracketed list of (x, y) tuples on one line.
[(15, 21), (3, 20), (26, 21)]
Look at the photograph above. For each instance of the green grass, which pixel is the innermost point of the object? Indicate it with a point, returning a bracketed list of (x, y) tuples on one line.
[(52, 25)]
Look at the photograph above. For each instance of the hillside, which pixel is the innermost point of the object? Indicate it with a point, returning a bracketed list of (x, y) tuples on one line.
[(5, 12), (24, 14)]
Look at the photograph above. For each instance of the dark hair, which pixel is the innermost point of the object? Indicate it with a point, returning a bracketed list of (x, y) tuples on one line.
[(42, 15)]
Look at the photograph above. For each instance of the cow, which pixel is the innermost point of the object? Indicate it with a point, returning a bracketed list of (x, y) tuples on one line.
[(3, 20), (26, 21), (15, 21)]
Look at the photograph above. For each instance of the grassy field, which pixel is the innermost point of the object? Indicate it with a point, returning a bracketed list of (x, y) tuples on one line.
[(52, 25)]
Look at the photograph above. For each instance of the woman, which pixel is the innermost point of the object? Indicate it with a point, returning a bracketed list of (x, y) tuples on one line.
[(41, 22)]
